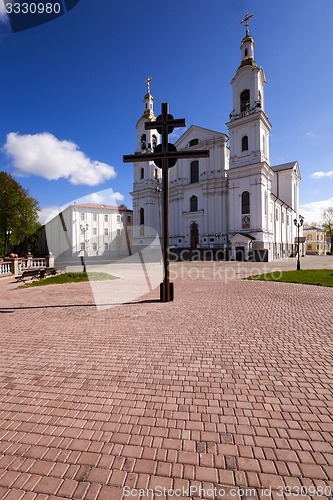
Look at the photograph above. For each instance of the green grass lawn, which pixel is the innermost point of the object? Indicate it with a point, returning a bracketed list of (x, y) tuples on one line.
[(321, 277), (70, 278)]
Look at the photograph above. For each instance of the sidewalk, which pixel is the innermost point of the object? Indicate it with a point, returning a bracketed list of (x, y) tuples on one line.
[(229, 387)]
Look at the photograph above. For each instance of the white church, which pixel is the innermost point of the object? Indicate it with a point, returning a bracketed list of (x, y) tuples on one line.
[(233, 202)]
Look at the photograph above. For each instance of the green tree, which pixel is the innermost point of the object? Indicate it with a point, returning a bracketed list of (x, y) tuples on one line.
[(18, 213), (328, 225)]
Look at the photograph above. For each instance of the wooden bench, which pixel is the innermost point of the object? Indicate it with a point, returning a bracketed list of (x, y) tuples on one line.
[(40, 273), (49, 271), (29, 273)]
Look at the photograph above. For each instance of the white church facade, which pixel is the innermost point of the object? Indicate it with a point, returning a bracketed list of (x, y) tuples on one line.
[(233, 202)]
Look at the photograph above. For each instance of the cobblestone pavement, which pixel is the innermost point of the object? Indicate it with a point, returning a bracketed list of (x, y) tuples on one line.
[(229, 387)]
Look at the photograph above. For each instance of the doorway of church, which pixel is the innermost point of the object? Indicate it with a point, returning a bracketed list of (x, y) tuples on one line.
[(194, 235), (239, 254)]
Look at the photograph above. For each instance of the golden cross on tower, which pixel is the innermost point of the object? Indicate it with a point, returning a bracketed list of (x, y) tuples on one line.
[(147, 82), (246, 21)]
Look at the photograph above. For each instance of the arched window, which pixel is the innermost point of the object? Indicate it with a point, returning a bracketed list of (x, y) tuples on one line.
[(245, 100), (245, 143), (155, 173), (245, 52), (194, 171), (193, 142), (143, 141), (142, 173), (245, 202), (193, 204), (154, 141), (142, 216)]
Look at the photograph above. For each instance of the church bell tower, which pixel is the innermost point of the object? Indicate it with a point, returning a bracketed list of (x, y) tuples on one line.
[(248, 126), (250, 176), (147, 178)]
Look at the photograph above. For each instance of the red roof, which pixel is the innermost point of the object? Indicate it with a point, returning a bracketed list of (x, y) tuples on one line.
[(100, 206)]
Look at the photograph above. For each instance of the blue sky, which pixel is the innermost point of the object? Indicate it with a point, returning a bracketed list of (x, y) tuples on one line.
[(72, 89)]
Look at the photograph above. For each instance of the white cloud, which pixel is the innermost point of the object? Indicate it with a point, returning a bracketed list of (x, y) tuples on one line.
[(106, 196), (313, 211), (47, 213), (320, 175), (45, 155), (118, 196)]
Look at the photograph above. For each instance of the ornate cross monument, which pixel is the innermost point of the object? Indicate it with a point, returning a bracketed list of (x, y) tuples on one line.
[(165, 156)]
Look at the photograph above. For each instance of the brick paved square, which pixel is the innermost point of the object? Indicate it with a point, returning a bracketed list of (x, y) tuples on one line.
[(230, 384)]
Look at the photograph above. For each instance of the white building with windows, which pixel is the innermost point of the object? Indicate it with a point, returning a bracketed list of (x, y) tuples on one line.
[(235, 201), (89, 230)]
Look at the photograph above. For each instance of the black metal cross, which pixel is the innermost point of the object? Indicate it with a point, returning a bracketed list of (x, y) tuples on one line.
[(165, 156)]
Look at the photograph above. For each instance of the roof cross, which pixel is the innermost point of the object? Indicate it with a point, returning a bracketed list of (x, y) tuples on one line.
[(147, 82), (246, 21)]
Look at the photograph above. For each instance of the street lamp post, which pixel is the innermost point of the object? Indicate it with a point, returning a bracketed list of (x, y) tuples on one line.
[(84, 230), (298, 225), (9, 232)]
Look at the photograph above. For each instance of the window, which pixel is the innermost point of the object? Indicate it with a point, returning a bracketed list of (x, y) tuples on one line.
[(245, 202), (245, 100), (83, 216), (143, 141), (266, 202), (106, 231), (106, 246), (193, 204), (106, 218), (142, 173), (282, 217), (193, 142), (154, 141), (245, 143), (288, 220), (245, 52), (277, 214), (118, 232), (118, 218), (155, 173), (94, 217), (82, 230), (83, 246), (129, 218), (194, 171), (95, 231), (95, 246), (142, 216)]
